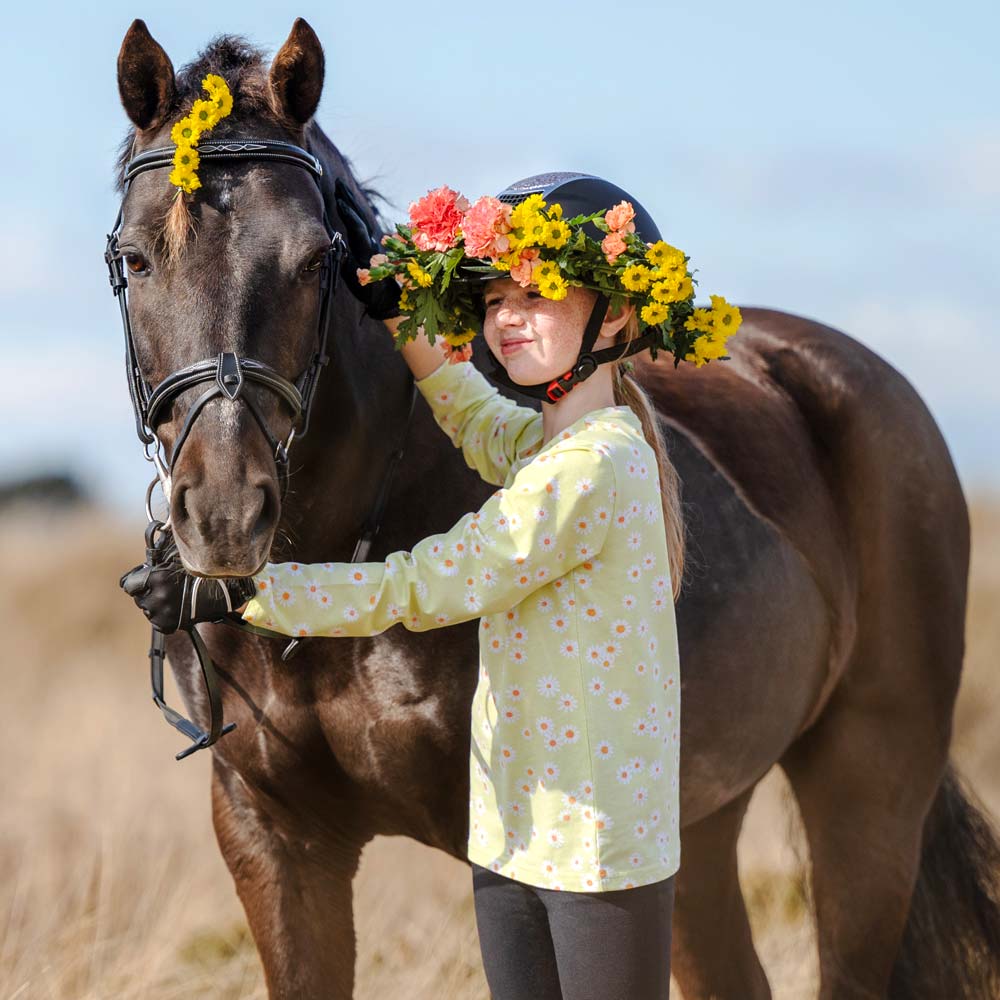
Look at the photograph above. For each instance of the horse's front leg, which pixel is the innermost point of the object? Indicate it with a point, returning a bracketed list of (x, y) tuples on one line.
[(295, 887)]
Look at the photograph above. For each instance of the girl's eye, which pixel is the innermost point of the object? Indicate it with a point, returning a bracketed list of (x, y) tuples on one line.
[(135, 262)]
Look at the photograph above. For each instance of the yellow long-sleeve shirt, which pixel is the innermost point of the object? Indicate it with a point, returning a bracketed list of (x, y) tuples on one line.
[(576, 717)]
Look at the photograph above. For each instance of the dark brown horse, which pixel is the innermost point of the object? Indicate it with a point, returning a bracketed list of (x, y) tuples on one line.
[(821, 621)]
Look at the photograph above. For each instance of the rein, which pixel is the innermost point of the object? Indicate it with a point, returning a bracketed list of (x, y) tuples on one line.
[(227, 375)]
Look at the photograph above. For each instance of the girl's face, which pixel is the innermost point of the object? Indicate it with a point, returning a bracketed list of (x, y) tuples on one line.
[(536, 339)]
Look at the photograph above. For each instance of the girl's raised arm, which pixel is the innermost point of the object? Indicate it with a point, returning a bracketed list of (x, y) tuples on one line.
[(491, 430)]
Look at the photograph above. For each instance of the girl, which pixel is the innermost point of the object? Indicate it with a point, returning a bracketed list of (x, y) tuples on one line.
[(572, 567)]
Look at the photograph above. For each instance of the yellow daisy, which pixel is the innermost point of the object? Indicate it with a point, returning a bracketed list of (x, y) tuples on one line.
[(636, 277), (685, 288), (186, 158), (725, 318), (553, 287), (654, 313), (186, 180), (205, 114), (459, 338), (661, 253), (419, 275), (185, 132), (555, 234), (700, 320), (666, 290)]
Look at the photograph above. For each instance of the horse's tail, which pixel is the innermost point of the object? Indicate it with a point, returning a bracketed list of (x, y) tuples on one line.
[(951, 943)]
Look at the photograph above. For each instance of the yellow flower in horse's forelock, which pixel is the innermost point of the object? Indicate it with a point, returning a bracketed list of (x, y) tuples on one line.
[(185, 132), (205, 113), (212, 83), (218, 93), (223, 101), (186, 180), (186, 158)]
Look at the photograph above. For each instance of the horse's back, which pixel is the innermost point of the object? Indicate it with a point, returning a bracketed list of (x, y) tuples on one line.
[(824, 439)]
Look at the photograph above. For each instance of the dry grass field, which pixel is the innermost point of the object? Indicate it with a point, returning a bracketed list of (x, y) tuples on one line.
[(111, 884)]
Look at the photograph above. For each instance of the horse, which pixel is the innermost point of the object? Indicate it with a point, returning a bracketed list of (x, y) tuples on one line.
[(821, 617)]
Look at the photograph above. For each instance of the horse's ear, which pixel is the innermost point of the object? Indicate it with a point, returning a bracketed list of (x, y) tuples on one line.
[(297, 74), (145, 78)]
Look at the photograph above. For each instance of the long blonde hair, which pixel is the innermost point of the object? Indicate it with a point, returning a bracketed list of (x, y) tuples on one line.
[(629, 393)]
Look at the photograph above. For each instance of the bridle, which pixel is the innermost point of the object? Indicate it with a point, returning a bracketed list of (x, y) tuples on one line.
[(228, 375)]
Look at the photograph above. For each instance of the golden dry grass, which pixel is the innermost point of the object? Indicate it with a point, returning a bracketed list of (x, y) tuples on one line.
[(113, 886)]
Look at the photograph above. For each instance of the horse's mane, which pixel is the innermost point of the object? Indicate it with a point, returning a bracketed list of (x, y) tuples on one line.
[(244, 67)]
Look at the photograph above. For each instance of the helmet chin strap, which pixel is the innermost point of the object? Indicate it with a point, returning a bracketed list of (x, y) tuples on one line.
[(586, 363)]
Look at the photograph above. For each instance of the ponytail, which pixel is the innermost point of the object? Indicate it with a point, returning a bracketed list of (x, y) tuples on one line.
[(628, 392)]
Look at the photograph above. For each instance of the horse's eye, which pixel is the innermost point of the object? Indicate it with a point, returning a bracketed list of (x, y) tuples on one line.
[(316, 262), (136, 263)]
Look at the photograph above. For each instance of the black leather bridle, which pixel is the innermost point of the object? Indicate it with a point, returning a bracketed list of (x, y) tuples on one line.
[(227, 376)]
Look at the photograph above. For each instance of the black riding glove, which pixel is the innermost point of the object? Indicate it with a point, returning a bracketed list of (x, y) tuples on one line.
[(380, 298), (173, 599)]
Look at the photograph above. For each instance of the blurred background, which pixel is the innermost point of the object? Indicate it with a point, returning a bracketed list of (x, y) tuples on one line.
[(840, 162)]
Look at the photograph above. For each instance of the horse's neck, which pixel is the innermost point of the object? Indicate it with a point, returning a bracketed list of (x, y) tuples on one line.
[(338, 469)]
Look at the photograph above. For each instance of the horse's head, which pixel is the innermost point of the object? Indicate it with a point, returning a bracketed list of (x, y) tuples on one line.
[(232, 269)]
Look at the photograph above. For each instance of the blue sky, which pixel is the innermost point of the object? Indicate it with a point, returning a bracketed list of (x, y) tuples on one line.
[(836, 161)]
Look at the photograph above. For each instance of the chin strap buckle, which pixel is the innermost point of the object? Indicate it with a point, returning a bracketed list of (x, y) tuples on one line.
[(585, 366), (556, 389)]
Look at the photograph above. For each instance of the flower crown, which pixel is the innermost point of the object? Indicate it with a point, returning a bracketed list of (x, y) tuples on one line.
[(448, 239), (204, 115)]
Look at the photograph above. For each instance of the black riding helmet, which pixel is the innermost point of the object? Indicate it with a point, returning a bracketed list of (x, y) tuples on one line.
[(578, 194)]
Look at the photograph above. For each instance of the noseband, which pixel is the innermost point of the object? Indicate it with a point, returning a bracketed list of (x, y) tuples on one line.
[(227, 374)]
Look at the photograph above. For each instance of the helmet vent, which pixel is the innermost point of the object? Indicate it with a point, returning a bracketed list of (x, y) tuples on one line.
[(536, 184)]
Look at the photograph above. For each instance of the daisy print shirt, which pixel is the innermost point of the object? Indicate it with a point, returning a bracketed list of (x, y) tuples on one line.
[(575, 747)]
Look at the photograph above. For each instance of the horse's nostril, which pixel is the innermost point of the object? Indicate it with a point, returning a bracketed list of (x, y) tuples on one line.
[(267, 516), (178, 505)]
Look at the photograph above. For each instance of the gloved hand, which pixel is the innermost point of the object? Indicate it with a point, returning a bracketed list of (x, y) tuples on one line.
[(380, 298), (172, 599)]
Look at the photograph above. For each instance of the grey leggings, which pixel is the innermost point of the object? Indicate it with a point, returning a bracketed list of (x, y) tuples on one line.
[(549, 944)]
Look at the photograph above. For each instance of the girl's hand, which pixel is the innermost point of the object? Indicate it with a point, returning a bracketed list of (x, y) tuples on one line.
[(420, 354), (169, 598)]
